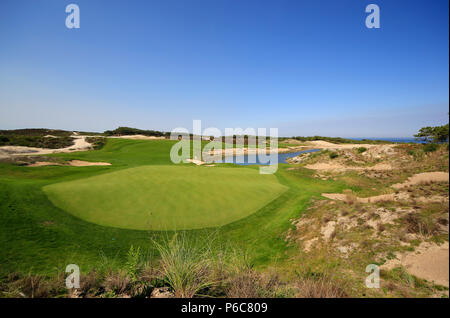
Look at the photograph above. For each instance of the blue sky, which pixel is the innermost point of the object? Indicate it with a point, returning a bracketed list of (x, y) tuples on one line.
[(305, 67)]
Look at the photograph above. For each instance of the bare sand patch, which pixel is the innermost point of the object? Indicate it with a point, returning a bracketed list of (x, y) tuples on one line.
[(308, 245), (429, 261), (73, 163), (339, 167), (196, 161), (328, 230), (373, 199), (424, 177), (331, 146), (80, 163), (379, 151), (293, 141)]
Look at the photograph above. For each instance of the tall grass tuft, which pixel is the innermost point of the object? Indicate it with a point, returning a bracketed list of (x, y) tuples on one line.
[(186, 264)]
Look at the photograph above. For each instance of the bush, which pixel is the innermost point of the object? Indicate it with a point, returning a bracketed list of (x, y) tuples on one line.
[(97, 142), (361, 149), (133, 131), (333, 155), (36, 141), (420, 224), (133, 265), (117, 282), (430, 147)]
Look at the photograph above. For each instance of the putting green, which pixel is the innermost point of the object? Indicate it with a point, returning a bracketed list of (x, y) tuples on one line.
[(167, 197)]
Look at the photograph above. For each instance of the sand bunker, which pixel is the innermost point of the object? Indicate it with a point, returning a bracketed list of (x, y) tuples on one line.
[(195, 161), (423, 178), (73, 163), (428, 261), (80, 163)]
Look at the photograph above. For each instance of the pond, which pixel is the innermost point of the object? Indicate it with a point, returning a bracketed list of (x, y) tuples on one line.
[(282, 157)]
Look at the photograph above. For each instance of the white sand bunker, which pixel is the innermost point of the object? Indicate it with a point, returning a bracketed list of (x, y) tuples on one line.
[(430, 261), (73, 163), (195, 161), (423, 178), (80, 163)]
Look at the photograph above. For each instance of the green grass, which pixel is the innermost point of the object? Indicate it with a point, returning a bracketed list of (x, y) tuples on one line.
[(38, 237), (166, 197)]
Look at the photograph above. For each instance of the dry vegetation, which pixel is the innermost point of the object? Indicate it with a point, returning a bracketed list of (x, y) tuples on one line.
[(185, 268), (375, 223)]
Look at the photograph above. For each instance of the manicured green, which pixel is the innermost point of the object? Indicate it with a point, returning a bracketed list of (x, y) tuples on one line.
[(166, 197)]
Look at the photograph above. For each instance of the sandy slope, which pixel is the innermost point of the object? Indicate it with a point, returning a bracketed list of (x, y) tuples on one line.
[(425, 177), (80, 144), (429, 261)]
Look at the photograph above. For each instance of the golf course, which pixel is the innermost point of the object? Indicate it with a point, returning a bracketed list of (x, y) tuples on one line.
[(56, 215)]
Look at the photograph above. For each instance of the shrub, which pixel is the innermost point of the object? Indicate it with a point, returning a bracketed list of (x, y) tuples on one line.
[(117, 282), (420, 224), (250, 284), (361, 149), (319, 285), (333, 155), (133, 131), (97, 142), (430, 147), (36, 141), (133, 265), (90, 283)]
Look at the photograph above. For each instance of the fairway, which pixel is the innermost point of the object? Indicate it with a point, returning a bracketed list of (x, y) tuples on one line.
[(166, 197)]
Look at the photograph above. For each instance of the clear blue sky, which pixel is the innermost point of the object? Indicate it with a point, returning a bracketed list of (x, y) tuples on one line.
[(306, 67)]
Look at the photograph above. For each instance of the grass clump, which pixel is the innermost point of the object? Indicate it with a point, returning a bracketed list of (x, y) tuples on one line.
[(430, 147), (186, 265), (421, 224), (97, 142), (333, 155), (361, 149)]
